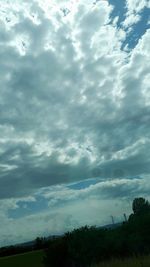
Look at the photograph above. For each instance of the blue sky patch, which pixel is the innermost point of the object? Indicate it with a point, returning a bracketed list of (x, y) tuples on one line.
[(26, 208), (138, 29), (84, 184), (119, 10)]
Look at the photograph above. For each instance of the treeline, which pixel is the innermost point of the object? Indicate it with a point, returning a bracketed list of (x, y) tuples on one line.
[(38, 243), (90, 245), (13, 250)]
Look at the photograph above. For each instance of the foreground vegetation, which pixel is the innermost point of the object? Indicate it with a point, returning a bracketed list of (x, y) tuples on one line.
[(131, 262), (30, 259), (35, 258), (88, 246)]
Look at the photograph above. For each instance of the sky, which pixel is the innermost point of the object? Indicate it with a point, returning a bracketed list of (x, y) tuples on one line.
[(74, 114)]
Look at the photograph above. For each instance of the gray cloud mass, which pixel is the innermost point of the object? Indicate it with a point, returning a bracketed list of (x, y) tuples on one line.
[(73, 103), (68, 98)]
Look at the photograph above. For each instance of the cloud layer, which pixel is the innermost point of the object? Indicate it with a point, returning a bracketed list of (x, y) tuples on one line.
[(75, 101)]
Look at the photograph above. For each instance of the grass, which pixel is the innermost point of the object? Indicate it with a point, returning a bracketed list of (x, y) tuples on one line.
[(131, 262), (30, 259), (34, 259)]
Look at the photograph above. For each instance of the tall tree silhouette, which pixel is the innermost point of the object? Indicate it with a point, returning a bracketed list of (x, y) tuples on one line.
[(140, 205)]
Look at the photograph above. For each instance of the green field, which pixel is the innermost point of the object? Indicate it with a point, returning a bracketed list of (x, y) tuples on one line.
[(30, 259), (34, 259)]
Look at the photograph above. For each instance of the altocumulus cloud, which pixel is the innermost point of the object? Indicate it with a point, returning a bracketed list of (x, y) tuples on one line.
[(74, 105)]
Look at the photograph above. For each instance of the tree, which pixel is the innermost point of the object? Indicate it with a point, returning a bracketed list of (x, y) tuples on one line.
[(40, 242), (57, 253), (140, 205)]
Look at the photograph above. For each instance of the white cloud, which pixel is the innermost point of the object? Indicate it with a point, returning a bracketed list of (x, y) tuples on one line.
[(72, 103), (71, 87), (71, 208), (134, 9)]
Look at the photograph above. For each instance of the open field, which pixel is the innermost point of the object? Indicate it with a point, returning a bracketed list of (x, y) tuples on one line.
[(30, 259), (34, 259), (132, 262)]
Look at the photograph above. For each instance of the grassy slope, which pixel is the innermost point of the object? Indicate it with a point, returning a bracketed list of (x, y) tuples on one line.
[(30, 259), (133, 262)]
